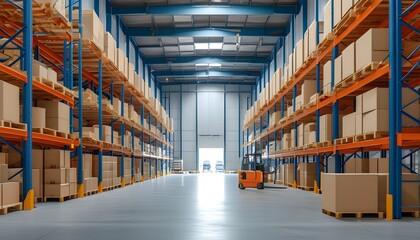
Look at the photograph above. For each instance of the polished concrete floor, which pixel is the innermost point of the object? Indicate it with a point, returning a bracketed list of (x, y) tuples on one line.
[(195, 207)]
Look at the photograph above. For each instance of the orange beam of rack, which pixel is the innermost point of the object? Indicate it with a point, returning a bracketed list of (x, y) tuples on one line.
[(408, 139), (54, 141), (374, 144), (13, 134)]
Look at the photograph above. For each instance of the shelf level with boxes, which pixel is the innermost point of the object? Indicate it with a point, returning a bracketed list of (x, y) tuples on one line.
[(345, 113)]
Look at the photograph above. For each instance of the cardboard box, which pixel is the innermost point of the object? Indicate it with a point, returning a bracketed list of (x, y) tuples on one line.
[(38, 117), (349, 125), (73, 189), (372, 47), (37, 185), (337, 11), (58, 5), (308, 89), (381, 165), (55, 158), (410, 191), (359, 123), (52, 75), (338, 69), (299, 54), (346, 5), (93, 29), (9, 193), (120, 57), (57, 190), (9, 102), (312, 45), (110, 47), (357, 165), (4, 173), (71, 175), (59, 124), (341, 192), (3, 158), (377, 98), (39, 70), (55, 176), (327, 77), (376, 120), (54, 109), (349, 61), (327, 18), (359, 104)]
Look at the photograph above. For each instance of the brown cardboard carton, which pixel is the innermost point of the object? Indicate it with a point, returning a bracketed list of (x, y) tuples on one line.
[(57, 190), (37, 183), (376, 98), (312, 45), (349, 125), (73, 189), (349, 61), (338, 69), (341, 192), (52, 75), (71, 175), (376, 120), (359, 123), (93, 29), (327, 77), (38, 117), (39, 70), (120, 57), (327, 18), (410, 191), (55, 109), (9, 102), (110, 47), (55, 158), (359, 104), (4, 173), (59, 124), (299, 53), (357, 165), (337, 11), (55, 176), (308, 89), (3, 158), (346, 5), (9, 193)]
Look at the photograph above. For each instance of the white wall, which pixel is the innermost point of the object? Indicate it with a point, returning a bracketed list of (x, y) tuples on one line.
[(210, 120)]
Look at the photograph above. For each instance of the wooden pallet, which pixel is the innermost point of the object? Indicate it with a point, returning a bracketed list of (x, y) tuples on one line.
[(326, 42), (357, 215), (59, 199), (91, 193), (370, 136), (345, 140), (348, 81), (306, 188), (415, 214), (325, 95), (368, 69), (311, 145), (56, 86), (46, 131), (10, 124), (16, 207), (324, 144), (348, 19)]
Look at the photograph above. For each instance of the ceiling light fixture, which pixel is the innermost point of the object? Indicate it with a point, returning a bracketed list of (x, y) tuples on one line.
[(216, 46), (201, 46), (215, 65)]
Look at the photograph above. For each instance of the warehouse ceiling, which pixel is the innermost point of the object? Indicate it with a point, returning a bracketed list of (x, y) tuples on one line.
[(220, 41)]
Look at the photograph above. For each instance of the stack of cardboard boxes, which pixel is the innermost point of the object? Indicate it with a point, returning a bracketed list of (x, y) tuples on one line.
[(127, 168), (275, 118), (9, 102), (109, 171), (57, 115), (59, 179), (307, 174), (9, 191)]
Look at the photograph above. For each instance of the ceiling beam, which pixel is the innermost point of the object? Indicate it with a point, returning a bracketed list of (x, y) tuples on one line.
[(189, 9), (205, 81), (210, 73), (206, 32), (197, 60)]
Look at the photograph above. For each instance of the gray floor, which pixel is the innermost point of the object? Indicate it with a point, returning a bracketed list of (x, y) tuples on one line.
[(206, 206)]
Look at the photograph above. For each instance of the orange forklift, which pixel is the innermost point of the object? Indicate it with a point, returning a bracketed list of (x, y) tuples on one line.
[(251, 174)]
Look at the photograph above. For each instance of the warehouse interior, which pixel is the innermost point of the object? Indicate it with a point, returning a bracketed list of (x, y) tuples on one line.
[(210, 119)]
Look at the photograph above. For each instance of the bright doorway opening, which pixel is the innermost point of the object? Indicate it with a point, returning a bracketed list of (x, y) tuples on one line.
[(211, 160)]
